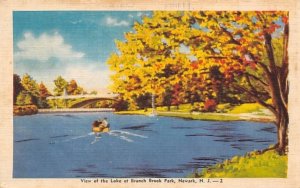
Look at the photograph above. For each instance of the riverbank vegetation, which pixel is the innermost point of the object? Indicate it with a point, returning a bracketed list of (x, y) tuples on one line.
[(210, 57), (255, 164), (224, 112), (25, 110)]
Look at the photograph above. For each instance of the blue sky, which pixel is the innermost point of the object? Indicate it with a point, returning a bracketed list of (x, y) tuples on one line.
[(72, 44)]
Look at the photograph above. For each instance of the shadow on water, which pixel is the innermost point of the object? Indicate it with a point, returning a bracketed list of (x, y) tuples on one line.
[(67, 115), (59, 136), (186, 127), (26, 140), (269, 129), (143, 127), (150, 172), (88, 171), (220, 128)]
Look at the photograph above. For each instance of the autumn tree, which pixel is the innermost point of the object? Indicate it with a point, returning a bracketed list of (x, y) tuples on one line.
[(251, 50), (43, 94), (221, 51), (73, 88), (140, 66), (43, 91)]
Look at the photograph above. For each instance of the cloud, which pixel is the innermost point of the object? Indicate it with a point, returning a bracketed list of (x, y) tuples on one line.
[(44, 47), (139, 14), (76, 22), (90, 77), (110, 21), (47, 56)]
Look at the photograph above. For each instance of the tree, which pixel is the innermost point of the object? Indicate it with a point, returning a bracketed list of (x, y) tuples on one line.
[(228, 52), (60, 85), (73, 88), (24, 98), (17, 87), (43, 94), (31, 87), (243, 44), (140, 66), (43, 91)]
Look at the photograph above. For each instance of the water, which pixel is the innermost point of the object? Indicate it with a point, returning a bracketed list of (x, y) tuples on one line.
[(63, 146)]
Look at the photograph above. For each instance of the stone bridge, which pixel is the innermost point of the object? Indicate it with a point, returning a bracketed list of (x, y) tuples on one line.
[(87, 99)]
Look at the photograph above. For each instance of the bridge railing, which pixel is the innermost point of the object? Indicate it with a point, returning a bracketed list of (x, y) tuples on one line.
[(108, 96), (62, 110)]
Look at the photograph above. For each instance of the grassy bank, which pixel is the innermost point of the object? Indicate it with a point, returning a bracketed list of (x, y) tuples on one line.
[(201, 116), (225, 112), (252, 165)]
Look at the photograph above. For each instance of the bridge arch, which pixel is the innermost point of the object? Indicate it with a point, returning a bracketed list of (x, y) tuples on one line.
[(87, 99), (88, 102)]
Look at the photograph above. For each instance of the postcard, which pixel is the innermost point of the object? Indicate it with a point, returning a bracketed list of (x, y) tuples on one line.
[(149, 94)]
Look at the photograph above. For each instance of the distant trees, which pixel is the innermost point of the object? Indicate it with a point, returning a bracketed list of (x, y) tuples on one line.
[(28, 92), (71, 87), (24, 98)]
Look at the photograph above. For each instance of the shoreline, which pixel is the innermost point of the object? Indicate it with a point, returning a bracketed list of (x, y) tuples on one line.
[(209, 116), (74, 110)]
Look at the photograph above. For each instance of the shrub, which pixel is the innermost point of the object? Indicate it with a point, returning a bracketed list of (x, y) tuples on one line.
[(25, 110), (210, 105), (120, 105)]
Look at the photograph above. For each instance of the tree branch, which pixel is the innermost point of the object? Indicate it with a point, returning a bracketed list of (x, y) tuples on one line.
[(257, 99), (253, 90), (257, 79), (232, 40)]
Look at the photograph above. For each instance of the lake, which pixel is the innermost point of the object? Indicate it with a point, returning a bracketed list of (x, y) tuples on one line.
[(63, 146)]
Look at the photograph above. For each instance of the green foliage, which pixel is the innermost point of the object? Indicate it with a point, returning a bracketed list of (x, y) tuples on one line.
[(30, 85), (24, 98), (254, 165), (71, 88), (32, 88), (60, 85)]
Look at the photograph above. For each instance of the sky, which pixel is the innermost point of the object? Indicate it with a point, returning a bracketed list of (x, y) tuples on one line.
[(72, 44)]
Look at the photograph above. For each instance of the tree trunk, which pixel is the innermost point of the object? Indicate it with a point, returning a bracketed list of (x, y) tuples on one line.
[(282, 131), (278, 94)]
